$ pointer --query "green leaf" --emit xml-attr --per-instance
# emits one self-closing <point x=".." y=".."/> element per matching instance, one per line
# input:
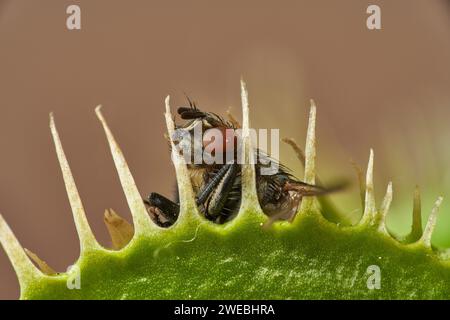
<point x="247" y="258"/>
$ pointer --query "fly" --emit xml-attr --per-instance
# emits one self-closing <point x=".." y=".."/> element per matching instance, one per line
<point x="218" y="186"/>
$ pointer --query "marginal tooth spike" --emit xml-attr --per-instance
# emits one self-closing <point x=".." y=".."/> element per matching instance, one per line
<point x="369" y="205"/>
<point x="361" y="183"/>
<point x="186" y="194"/>
<point x="25" y="269"/>
<point x="249" y="195"/>
<point x="43" y="266"/>
<point x="87" y="239"/>
<point x="310" y="156"/>
<point x="298" y="151"/>
<point x="120" y="230"/>
<point x="328" y="209"/>
<point x="385" y="205"/>
<point x="416" y="228"/>
<point x="141" y="220"/>
<point x="310" y="147"/>
<point x="431" y="223"/>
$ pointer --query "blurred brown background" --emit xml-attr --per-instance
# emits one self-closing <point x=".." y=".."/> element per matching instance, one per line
<point x="384" y="89"/>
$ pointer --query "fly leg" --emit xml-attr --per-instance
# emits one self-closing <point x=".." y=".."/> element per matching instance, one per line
<point x="163" y="211"/>
<point x="218" y="197"/>
<point x="209" y="187"/>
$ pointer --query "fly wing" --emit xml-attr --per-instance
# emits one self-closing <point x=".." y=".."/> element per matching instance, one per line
<point x="306" y="189"/>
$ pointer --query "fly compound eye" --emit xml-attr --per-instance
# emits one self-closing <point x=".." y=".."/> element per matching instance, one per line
<point x="230" y="140"/>
<point x="220" y="139"/>
<point x="212" y="138"/>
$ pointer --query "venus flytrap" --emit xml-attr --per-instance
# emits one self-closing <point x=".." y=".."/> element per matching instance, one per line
<point x="310" y="257"/>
